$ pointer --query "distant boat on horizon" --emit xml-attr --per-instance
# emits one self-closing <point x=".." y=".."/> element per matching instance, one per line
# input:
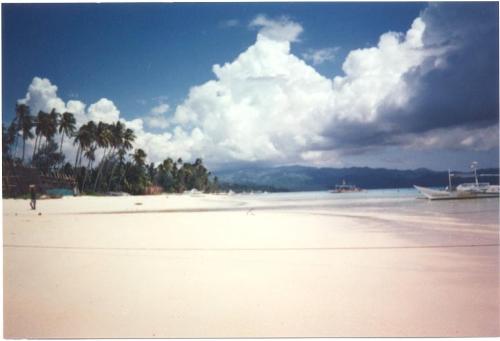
<point x="470" y="190"/>
<point x="345" y="188"/>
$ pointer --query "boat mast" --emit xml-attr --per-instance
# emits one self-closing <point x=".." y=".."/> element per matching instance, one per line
<point x="449" y="180"/>
<point x="473" y="166"/>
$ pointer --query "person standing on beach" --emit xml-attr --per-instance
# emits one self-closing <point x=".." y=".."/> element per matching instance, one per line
<point x="33" y="197"/>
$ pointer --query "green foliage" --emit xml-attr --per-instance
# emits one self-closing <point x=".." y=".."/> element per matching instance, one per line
<point x="117" y="170"/>
<point x="47" y="158"/>
<point x="189" y="176"/>
<point x="67" y="126"/>
<point x="136" y="179"/>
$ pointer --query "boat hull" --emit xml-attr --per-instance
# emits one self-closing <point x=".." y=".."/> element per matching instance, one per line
<point x="433" y="194"/>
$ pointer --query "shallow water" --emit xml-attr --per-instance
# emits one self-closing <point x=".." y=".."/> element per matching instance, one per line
<point x="406" y="201"/>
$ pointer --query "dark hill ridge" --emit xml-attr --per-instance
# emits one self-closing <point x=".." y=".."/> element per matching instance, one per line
<point x="302" y="178"/>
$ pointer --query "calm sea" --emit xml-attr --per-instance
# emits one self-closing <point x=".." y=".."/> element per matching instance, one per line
<point x="405" y="201"/>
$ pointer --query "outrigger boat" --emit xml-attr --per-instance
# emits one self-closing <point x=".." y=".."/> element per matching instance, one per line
<point x="345" y="188"/>
<point x="472" y="190"/>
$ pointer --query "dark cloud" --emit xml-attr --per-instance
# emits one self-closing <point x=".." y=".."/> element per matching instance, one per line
<point x="464" y="91"/>
<point x="458" y="89"/>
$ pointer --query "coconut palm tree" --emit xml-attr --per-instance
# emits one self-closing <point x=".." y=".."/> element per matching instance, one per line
<point x="117" y="130"/>
<point x="41" y="117"/>
<point x="77" y="140"/>
<point x="54" y="118"/>
<point x="103" y="140"/>
<point x="128" y="138"/>
<point x="139" y="157"/>
<point x="89" y="155"/>
<point x="84" y="138"/>
<point x="90" y="137"/>
<point x="48" y="125"/>
<point x="67" y="126"/>
<point x="122" y="140"/>
<point x="25" y="124"/>
<point x="22" y="110"/>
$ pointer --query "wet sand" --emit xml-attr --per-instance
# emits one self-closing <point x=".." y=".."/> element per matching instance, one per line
<point x="244" y="266"/>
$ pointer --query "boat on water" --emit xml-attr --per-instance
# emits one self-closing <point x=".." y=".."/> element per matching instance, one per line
<point x="345" y="188"/>
<point x="470" y="190"/>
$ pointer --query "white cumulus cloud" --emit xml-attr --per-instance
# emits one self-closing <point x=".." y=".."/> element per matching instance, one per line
<point x="375" y="76"/>
<point x="160" y="108"/>
<point x="282" y="29"/>
<point x="103" y="110"/>
<point x="157" y="117"/>
<point x="268" y="104"/>
<point x="42" y="95"/>
<point x="320" y="56"/>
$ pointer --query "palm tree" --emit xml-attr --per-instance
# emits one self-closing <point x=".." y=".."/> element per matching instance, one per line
<point x="84" y="138"/>
<point x="123" y="138"/>
<point x="128" y="138"/>
<point x="139" y="157"/>
<point x="48" y="125"/>
<point x="53" y="123"/>
<point x="90" y="137"/>
<point x="78" y="137"/>
<point x="90" y="155"/>
<point x="103" y="139"/>
<point x="117" y="130"/>
<point x="41" y="117"/>
<point x="25" y="124"/>
<point x="168" y="164"/>
<point x="67" y="126"/>
<point x="79" y="141"/>
<point x="22" y="110"/>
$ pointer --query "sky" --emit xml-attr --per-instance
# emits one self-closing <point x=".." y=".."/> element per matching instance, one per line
<point x="394" y="85"/>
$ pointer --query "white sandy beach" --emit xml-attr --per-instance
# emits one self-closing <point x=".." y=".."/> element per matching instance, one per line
<point x="244" y="266"/>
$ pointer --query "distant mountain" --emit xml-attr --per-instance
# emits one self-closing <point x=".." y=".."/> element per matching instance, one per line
<point x="301" y="178"/>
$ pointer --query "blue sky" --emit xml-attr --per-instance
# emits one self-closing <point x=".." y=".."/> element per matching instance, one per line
<point x="140" y="56"/>
<point x="133" y="53"/>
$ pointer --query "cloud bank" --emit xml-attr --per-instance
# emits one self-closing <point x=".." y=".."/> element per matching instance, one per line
<point x="434" y="86"/>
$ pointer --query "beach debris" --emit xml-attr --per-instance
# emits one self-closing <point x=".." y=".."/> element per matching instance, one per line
<point x="39" y="213"/>
<point x="250" y="211"/>
<point x="138" y="203"/>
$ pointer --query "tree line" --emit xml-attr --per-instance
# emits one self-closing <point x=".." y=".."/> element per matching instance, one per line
<point x="120" y="168"/>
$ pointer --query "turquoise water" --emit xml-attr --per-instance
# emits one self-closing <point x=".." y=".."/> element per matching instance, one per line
<point x="60" y="191"/>
<point x="407" y="201"/>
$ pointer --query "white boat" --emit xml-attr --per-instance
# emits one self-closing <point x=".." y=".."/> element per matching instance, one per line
<point x="471" y="190"/>
<point x="345" y="188"/>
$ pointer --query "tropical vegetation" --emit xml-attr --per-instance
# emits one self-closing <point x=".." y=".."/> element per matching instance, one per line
<point x="105" y="157"/>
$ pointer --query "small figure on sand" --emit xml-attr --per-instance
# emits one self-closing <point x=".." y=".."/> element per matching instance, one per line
<point x="33" y="197"/>
<point x="76" y="192"/>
